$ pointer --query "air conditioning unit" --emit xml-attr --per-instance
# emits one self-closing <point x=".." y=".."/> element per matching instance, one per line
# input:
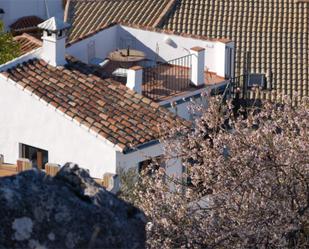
<point x="255" y="79"/>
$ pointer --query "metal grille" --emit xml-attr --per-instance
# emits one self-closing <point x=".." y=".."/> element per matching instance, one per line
<point x="167" y="78"/>
<point x="235" y="84"/>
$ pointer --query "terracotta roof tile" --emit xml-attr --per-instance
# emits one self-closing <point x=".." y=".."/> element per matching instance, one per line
<point x="26" y="23"/>
<point x="87" y="16"/>
<point x="133" y="122"/>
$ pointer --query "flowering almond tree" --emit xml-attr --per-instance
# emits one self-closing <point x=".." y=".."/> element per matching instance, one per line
<point x="246" y="183"/>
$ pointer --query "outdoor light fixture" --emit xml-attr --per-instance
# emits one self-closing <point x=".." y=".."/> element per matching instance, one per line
<point x="1" y="13"/>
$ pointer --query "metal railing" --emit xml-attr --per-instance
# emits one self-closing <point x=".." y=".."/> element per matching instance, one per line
<point x="235" y="86"/>
<point x="167" y="78"/>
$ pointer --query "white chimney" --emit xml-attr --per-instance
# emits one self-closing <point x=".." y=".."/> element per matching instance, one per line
<point x="54" y="36"/>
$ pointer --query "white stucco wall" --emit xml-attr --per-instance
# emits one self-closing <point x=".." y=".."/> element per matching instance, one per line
<point x="132" y="159"/>
<point x="14" y="9"/>
<point x="182" y="108"/>
<point x="25" y="119"/>
<point x="149" y="41"/>
<point x="105" y="42"/>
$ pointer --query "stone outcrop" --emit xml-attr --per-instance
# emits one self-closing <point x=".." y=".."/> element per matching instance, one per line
<point x="69" y="211"/>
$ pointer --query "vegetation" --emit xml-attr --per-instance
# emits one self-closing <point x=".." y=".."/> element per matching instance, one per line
<point x="9" y="49"/>
<point x="246" y="183"/>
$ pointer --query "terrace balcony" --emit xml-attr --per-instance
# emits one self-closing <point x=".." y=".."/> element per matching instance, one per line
<point x="169" y="66"/>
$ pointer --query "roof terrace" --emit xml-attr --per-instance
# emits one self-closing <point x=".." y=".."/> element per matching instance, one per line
<point x="159" y="64"/>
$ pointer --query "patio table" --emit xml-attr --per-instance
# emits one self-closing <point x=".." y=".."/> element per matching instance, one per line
<point x="127" y="57"/>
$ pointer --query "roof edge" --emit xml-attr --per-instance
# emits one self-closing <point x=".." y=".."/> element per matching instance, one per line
<point x="33" y="54"/>
<point x="141" y="146"/>
<point x="148" y="28"/>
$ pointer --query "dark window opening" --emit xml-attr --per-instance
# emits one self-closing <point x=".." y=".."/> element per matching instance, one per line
<point x="150" y="166"/>
<point x="38" y="157"/>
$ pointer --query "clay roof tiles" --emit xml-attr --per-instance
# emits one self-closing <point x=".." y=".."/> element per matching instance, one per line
<point x="89" y="15"/>
<point x="106" y="107"/>
<point x="26" y="22"/>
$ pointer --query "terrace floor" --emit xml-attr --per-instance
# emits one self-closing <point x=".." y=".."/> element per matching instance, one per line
<point x="165" y="80"/>
<point x="168" y="81"/>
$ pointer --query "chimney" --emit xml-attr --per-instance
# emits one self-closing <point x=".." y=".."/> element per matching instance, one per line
<point x="54" y="36"/>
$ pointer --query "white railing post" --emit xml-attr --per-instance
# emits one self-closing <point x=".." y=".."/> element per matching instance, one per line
<point x="198" y="65"/>
<point x="135" y="79"/>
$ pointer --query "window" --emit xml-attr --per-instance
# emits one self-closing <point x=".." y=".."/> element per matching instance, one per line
<point x="151" y="165"/>
<point x="38" y="157"/>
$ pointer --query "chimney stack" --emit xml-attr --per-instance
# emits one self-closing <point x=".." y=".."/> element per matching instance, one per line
<point x="54" y="36"/>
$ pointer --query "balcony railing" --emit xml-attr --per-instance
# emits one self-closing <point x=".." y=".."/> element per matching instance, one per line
<point x="167" y="78"/>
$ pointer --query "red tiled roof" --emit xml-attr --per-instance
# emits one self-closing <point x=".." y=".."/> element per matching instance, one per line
<point x="87" y="16"/>
<point x="27" y="43"/>
<point x="106" y="107"/>
<point x="26" y="22"/>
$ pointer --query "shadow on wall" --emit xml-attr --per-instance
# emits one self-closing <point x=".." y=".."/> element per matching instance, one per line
<point x="127" y="38"/>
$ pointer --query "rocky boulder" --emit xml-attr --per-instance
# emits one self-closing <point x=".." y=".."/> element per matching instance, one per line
<point x="69" y="210"/>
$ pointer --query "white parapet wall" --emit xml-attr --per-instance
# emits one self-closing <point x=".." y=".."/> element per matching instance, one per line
<point x="156" y="45"/>
<point x="169" y="46"/>
<point x="98" y="45"/>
